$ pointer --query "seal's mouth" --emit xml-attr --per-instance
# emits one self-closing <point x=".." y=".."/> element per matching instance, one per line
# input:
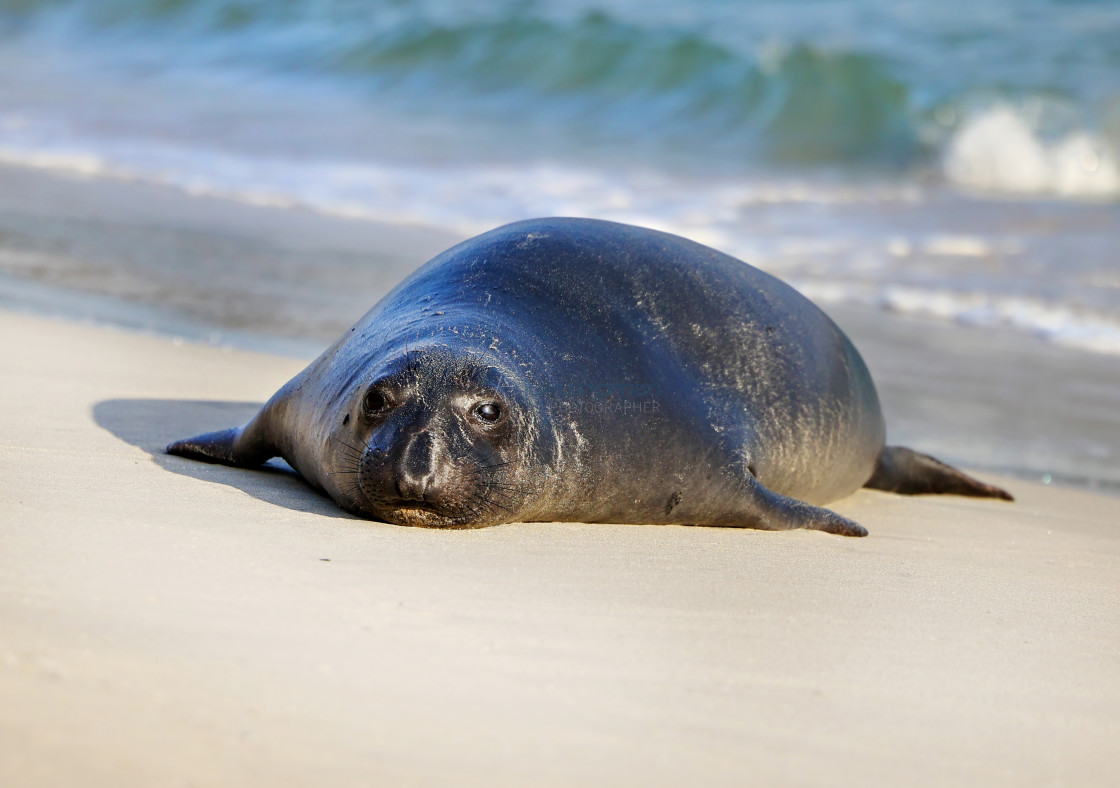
<point x="423" y="515"/>
<point x="420" y="506"/>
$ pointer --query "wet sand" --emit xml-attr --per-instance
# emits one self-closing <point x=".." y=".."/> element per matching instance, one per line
<point x="290" y="281"/>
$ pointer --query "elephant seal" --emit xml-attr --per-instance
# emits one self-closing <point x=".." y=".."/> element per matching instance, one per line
<point x="582" y="370"/>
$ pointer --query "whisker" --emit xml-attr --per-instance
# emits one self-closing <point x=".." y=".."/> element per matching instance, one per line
<point x="504" y="486"/>
<point x="504" y="503"/>
<point x="354" y="462"/>
<point x="351" y="446"/>
<point x="492" y="502"/>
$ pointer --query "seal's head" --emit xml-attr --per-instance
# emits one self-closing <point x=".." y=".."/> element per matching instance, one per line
<point x="434" y="438"/>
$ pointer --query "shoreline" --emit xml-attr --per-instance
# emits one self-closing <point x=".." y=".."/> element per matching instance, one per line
<point x="80" y="308"/>
<point x="207" y="262"/>
<point x="290" y="281"/>
<point x="172" y="621"/>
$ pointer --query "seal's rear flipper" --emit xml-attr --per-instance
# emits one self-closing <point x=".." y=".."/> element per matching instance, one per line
<point x="771" y="511"/>
<point x="238" y="446"/>
<point x="904" y="471"/>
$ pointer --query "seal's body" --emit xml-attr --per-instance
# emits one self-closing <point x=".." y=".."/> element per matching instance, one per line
<point x="579" y="370"/>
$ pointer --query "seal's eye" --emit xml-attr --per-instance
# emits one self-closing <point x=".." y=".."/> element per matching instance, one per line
<point x="488" y="412"/>
<point x="374" y="402"/>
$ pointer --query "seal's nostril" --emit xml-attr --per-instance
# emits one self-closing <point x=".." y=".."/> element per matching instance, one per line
<point x="413" y="488"/>
<point x="409" y="490"/>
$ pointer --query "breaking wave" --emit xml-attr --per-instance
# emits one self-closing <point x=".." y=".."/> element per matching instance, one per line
<point x="999" y="151"/>
<point x="732" y="87"/>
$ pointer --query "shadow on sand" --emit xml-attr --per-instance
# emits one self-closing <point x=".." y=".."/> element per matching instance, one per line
<point x="151" y="424"/>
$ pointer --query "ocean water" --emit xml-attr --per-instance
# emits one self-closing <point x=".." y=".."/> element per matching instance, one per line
<point x="958" y="160"/>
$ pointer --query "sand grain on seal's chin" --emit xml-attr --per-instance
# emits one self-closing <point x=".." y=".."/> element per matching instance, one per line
<point x="426" y="518"/>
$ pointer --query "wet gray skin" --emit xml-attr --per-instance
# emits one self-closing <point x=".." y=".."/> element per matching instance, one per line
<point x="579" y="370"/>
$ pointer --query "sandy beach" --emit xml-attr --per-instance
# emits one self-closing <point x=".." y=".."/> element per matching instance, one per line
<point x="166" y="622"/>
<point x="171" y="623"/>
<point x="197" y="197"/>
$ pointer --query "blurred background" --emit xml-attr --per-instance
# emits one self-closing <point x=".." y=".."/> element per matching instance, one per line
<point x="957" y="162"/>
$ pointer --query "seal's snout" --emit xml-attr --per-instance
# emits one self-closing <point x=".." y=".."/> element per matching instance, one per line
<point x="416" y="476"/>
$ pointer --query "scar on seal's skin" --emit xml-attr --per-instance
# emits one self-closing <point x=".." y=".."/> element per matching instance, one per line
<point x="674" y="499"/>
<point x="443" y="409"/>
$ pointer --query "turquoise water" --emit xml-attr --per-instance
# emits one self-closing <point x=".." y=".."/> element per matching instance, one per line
<point x="959" y="160"/>
<point x="869" y="83"/>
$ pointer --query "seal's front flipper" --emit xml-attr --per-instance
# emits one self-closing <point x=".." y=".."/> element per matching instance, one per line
<point x="238" y="446"/>
<point x="771" y="511"/>
<point x="904" y="471"/>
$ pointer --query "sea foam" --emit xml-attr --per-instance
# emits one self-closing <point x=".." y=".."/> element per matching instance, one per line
<point x="999" y="151"/>
<point x="1061" y="324"/>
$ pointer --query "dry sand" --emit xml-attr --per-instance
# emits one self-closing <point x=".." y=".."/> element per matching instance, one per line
<point x="164" y="622"/>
